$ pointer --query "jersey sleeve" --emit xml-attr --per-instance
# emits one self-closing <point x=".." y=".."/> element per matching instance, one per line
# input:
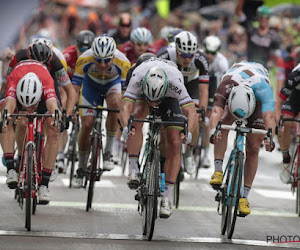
<point x="12" y="81"/>
<point x="48" y="89"/>
<point x="134" y="88"/>
<point x="60" y="73"/>
<point x="79" y="72"/>
<point x="201" y="64"/>
<point x="290" y="84"/>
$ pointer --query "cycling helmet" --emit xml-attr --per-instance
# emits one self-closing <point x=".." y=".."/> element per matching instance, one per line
<point x="29" y="90"/>
<point x="43" y="40"/>
<point x="140" y="35"/>
<point x="84" y="40"/>
<point x="155" y="84"/>
<point x="164" y="31"/>
<point x="263" y="11"/>
<point x="241" y="102"/>
<point x="172" y="34"/>
<point x="103" y="46"/>
<point x="186" y="43"/>
<point x="144" y="57"/>
<point x="212" y="44"/>
<point x="40" y="52"/>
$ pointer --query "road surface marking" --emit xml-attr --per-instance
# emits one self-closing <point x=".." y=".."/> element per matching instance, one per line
<point x="84" y="235"/>
<point x="277" y="194"/>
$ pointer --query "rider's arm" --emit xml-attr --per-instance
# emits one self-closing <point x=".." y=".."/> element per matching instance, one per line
<point x="126" y="109"/>
<point x="217" y="113"/>
<point x="10" y="105"/>
<point x="191" y="114"/>
<point x="203" y="95"/>
<point x="51" y="106"/>
<point x="71" y="99"/>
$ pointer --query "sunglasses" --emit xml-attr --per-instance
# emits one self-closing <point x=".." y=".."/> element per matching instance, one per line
<point x="83" y="49"/>
<point x="141" y="44"/>
<point x="105" y="60"/>
<point x="187" y="56"/>
<point x="125" y="25"/>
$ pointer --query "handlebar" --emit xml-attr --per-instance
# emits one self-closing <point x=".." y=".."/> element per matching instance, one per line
<point x="97" y="108"/>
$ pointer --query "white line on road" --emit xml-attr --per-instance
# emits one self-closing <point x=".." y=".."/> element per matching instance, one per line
<point x="84" y="235"/>
<point x="133" y="206"/>
<point x="103" y="183"/>
<point x="276" y="194"/>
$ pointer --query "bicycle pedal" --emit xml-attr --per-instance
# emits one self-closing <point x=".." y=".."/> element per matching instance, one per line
<point x="12" y="185"/>
<point x="43" y="202"/>
<point x="241" y="215"/>
<point x="137" y="197"/>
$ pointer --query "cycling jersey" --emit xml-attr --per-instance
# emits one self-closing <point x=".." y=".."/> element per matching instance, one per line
<point x="71" y="57"/>
<point x="24" y="67"/>
<point x="85" y="66"/>
<point x="198" y="68"/>
<point x="115" y="34"/>
<point x="251" y="74"/>
<point x="176" y="88"/>
<point x="291" y="89"/>
<point x="128" y="49"/>
<point x="54" y="66"/>
<point x="61" y="56"/>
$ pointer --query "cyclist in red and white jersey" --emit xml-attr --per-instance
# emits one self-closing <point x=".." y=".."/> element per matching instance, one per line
<point x="30" y="87"/>
<point x="139" y="44"/>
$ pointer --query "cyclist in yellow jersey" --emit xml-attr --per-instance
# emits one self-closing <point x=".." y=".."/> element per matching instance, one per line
<point x="99" y="71"/>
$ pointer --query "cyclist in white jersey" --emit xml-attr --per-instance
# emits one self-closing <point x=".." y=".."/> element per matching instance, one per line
<point x="244" y="93"/>
<point x="218" y="65"/>
<point x="157" y="82"/>
<point x="193" y="65"/>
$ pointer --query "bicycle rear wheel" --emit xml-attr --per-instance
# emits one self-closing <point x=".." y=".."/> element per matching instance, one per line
<point x="152" y="187"/>
<point x="234" y="196"/>
<point x="94" y="168"/>
<point x="28" y="187"/>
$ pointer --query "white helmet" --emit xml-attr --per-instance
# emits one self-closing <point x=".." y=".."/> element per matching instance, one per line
<point x="241" y="102"/>
<point x="212" y="44"/>
<point x="140" y="35"/>
<point x="42" y="40"/>
<point x="103" y="46"/>
<point x="155" y="84"/>
<point x="29" y="90"/>
<point x="186" y="42"/>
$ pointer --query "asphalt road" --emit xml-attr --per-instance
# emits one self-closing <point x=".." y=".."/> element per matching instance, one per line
<point x="114" y="223"/>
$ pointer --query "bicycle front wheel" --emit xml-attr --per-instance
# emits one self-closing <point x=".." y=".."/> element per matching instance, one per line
<point x="198" y="151"/>
<point x="94" y="168"/>
<point x="234" y="196"/>
<point x="28" y="186"/>
<point x="73" y="152"/>
<point x="176" y="194"/>
<point x="152" y="195"/>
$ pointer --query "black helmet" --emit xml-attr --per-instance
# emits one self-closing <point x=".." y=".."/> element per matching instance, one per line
<point x="144" y="57"/>
<point x="84" y="40"/>
<point x="40" y="52"/>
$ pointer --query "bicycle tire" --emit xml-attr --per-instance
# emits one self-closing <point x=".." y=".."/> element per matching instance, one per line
<point x="234" y="197"/>
<point x="224" y="201"/>
<point x="28" y="193"/>
<point x="124" y="158"/>
<point x="152" y="195"/>
<point x="73" y="152"/>
<point x="176" y="194"/>
<point x="94" y="168"/>
<point x="297" y="183"/>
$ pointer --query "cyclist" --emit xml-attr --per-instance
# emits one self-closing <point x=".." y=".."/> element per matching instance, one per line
<point x="193" y="65"/>
<point x="27" y="84"/>
<point x="138" y="44"/>
<point x="59" y="164"/>
<point x="288" y="105"/>
<point x="121" y="34"/>
<point x="84" y="40"/>
<point x="246" y="89"/>
<point x="218" y="65"/>
<point x="157" y="82"/>
<point x="100" y="70"/>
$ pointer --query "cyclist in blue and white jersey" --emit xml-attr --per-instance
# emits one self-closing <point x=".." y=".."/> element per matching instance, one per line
<point x="244" y="93"/>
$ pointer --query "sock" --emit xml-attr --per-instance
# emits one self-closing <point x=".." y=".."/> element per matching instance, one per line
<point x="61" y="155"/>
<point x="116" y="146"/>
<point x="9" y="161"/>
<point x="206" y="149"/>
<point x="169" y="190"/>
<point x="246" y="191"/>
<point x="133" y="162"/>
<point x="218" y="165"/>
<point x="46" y="173"/>
<point x="83" y="157"/>
<point x="110" y="137"/>
<point x="189" y="151"/>
<point x="286" y="156"/>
